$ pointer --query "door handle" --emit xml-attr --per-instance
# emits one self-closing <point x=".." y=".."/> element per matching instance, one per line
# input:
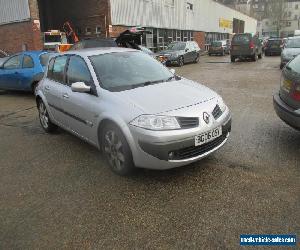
<point x="47" y="87"/>
<point x="65" y="96"/>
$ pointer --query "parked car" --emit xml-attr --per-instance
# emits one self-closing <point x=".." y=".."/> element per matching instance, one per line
<point x="246" y="45"/>
<point x="180" y="53"/>
<point x="291" y="50"/>
<point x="3" y="54"/>
<point x="219" y="48"/>
<point x="94" y="43"/>
<point x="23" y="71"/>
<point x="138" y="112"/>
<point x="273" y="47"/>
<point x="287" y="101"/>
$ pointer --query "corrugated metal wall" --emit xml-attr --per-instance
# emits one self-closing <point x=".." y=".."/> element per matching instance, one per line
<point x="14" y="11"/>
<point x="157" y="13"/>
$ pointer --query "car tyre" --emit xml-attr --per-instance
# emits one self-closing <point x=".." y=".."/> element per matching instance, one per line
<point x="116" y="150"/>
<point x="44" y="118"/>
<point x="197" y="59"/>
<point x="260" y="56"/>
<point x="180" y="61"/>
<point x="232" y="59"/>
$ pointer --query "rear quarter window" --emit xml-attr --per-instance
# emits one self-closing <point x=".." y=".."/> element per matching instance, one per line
<point x="294" y="65"/>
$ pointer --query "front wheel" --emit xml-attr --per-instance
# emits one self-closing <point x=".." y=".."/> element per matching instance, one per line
<point x="45" y="121"/>
<point x="180" y="61"/>
<point x="116" y="150"/>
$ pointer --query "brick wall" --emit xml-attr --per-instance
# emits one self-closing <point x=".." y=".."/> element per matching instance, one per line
<point x="116" y="30"/>
<point x="199" y="37"/>
<point x="14" y="35"/>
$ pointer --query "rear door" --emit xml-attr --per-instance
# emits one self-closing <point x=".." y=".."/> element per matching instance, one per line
<point x="80" y="108"/>
<point x="26" y="73"/>
<point x="290" y="84"/>
<point x="189" y="53"/>
<point x="53" y="87"/>
<point x="10" y="73"/>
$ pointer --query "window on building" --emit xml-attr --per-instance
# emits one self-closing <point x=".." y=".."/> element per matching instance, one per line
<point x="88" y="31"/>
<point x="98" y="30"/>
<point x="190" y="6"/>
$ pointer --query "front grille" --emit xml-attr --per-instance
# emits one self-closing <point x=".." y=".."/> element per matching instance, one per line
<point x="190" y="152"/>
<point x="217" y="112"/>
<point x="188" y="122"/>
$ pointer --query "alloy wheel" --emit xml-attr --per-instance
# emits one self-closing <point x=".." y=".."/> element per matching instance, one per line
<point x="113" y="148"/>
<point x="44" y="117"/>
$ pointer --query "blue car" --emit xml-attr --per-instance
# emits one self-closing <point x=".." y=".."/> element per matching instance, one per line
<point x="23" y="71"/>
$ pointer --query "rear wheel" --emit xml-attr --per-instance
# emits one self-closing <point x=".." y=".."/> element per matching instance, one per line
<point x="232" y="59"/>
<point x="254" y="57"/>
<point x="116" y="150"/>
<point x="45" y="121"/>
<point x="180" y="61"/>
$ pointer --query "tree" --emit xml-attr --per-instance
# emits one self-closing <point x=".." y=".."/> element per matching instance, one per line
<point x="276" y="11"/>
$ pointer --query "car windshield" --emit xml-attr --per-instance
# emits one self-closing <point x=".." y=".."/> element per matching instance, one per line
<point x="241" y="39"/>
<point x="176" y="46"/>
<point x="127" y="70"/>
<point x="216" y="44"/>
<point x="293" y="43"/>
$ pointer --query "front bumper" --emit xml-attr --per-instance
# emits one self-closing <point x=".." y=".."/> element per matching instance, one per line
<point x="286" y="113"/>
<point x="153" y="151"/>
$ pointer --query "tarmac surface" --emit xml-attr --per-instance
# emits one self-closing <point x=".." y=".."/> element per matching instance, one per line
<point x="58" y="192"/>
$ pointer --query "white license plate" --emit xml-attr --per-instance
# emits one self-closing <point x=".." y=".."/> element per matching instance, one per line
<point x="208" y="136"/>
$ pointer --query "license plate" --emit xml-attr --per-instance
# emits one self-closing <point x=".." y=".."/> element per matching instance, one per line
<point x="208" y="136"/>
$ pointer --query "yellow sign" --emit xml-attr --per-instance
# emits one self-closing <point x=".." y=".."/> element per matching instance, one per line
<point x="223" y="23"/>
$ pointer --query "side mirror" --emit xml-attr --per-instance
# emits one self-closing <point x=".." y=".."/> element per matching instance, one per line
<point x="172" y="71"/>
<point x="80" y="87"/>
<point x="186" y="50"/>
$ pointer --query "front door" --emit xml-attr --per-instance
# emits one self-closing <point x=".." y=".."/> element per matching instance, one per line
<point x="80" y="108"/>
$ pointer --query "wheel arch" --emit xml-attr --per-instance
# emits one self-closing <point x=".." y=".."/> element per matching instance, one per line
<point x="120" y="124"/>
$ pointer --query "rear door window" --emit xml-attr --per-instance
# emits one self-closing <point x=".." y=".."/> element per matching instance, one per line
<point x="57" y="72"/>
<point x="78" y="71"/>
<point x="294" y="65"/>
<point x="28" y="62"/>
<point x="241" y="39"/>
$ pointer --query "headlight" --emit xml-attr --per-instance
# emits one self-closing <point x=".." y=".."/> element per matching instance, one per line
<point x="222" y="105"/>
<point x="156" y="122"/>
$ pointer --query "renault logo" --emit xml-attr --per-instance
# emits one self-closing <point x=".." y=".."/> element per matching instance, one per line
<point x="206" y="117"/>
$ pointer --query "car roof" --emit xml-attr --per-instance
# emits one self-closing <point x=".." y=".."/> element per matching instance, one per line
<point x="98" y="51"/>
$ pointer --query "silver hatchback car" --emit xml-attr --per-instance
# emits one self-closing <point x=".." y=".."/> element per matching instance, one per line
<point x="131" y="107"/>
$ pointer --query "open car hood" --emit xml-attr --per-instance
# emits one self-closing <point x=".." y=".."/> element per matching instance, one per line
<point x="131" y="35"/>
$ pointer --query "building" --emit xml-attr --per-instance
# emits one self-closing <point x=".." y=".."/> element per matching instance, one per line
<point x="22" y="22"/>
<point x="290" y="22"/>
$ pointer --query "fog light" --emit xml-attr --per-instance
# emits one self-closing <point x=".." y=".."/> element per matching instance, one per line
<point x="171" y="155"/>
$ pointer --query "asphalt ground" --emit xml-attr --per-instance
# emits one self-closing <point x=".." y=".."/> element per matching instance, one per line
<point x="58" y="192"/>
